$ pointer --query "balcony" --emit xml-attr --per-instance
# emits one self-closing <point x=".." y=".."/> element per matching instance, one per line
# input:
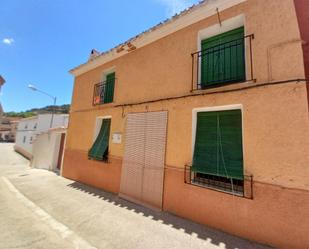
<point x="104" y="92"/>
<point x="222" y="64"/>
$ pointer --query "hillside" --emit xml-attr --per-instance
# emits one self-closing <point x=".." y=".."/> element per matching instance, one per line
<point x="59" y="109"/>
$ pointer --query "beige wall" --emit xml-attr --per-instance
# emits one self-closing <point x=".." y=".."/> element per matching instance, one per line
<point x="275" y="117"/>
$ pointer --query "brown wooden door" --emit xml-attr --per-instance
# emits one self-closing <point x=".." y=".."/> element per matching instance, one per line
<point x="61" y="148"/>
<point x="144" y="158"/>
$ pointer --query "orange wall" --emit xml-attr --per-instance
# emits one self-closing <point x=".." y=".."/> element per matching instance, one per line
<point x="163" y="68"/>
<point x="275" y="125"/>
<point x="276" y="216"/>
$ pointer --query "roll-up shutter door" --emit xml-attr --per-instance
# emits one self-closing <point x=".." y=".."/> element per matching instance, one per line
<point x="143" y="164"/>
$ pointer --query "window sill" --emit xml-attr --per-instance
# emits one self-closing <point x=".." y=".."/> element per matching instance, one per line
<point x="105" y="161"/>
<point x="223" y="86"/>
<point x="206" y="186"/>
<point x="103" y="104"/>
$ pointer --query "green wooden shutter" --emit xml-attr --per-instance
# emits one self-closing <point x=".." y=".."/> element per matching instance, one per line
<point x="223" y="58"/>
<point x="99" y="149"/>
<point x="109" y="88"/>
<point x="218" y="144"/>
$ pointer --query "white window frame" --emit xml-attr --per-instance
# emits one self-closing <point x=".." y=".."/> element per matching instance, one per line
<point x="212" y="109"/>
<point x="227" y="25"/>
<point x="105" y="73"/>
<point x="108" y="71"/>
<point x="98" y="124"/>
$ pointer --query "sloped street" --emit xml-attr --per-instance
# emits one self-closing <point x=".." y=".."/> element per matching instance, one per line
<point x="39" y="209"/>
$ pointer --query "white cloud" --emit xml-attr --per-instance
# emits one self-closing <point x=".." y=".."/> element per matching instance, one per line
<point x="8" y="41"/>
<point x="175" y="6"/>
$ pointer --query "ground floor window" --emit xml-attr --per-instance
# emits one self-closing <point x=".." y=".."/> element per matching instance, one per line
<point x="99" y="149"/>
<point x="218" y="153"/>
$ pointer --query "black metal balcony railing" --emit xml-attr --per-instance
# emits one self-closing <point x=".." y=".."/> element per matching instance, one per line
<point x="242" y="188"/>
<point x="224" y="63"/>
<point x="103" y="92"/>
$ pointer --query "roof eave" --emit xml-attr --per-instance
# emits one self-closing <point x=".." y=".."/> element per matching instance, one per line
<point x="186" y="18"/>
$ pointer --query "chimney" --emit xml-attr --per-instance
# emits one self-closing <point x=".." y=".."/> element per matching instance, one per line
<point x="94" y="53"/>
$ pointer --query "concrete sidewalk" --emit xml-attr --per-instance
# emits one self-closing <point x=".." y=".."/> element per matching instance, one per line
<point x="39" y="209"/>
<point x="106" y="221"/>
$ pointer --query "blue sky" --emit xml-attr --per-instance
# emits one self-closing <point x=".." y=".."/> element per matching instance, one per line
<point x="41" y="40"/>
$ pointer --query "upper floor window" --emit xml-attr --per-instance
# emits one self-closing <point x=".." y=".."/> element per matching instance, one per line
<point x="223" y="58"/>
<point x="104" y="91"/>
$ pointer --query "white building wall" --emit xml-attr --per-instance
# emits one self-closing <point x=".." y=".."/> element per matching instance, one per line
<point x="25" y="135"/>
<point x="59" y="120"/>
<point x="46" y="150"/>
<point x="28" y="130"/>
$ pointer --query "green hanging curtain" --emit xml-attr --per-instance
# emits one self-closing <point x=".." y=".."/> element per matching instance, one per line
<point x="99" y="149"/>
<point x="223" y="58"/>
<point x="109" y="88"/>
<point x="218" y="144"/>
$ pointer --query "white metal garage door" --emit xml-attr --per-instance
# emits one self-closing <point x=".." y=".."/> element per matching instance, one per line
<point x="143" y="163"/>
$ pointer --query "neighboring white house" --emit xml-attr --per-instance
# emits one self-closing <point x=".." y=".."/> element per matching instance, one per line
<point x="25" y="134"/>
<point x="48" y="149"/>
<point x="29" y="128"/>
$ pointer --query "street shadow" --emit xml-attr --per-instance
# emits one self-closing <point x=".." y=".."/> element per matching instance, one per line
<point x="216" y="237"/>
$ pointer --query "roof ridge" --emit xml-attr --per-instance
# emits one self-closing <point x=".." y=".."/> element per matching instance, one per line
<point x="162" y="23"/>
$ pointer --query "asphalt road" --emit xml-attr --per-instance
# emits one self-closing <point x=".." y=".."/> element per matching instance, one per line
<point x="39" y="209"/>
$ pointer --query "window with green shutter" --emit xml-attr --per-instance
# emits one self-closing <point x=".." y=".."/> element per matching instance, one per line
<point x="223" y="58"/>
<point x="218" y="146"/>
<point x="99" y="149"/>
<point x="109" y="88"/>
<point x="104" y="91"/>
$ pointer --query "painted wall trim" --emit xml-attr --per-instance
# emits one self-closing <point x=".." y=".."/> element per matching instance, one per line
<point x="177" y="23"/>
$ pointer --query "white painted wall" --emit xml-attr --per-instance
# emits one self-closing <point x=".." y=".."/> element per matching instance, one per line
<point x="60" y="120"/>
<point x="25" y="134"/>
<point x="46" y="150"/>
<point x="30" y="128"/>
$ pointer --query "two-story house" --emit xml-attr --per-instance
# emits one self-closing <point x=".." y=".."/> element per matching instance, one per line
<point x="205" y="116"/>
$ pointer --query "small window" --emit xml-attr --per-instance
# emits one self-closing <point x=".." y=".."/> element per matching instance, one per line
<point x="26" y="126"/>
<point x="104" y="92"/>
<point x="99" y="149"/>
<point x="24" y="139"/>
<point x="218" y="155"/>
<point x="223" y="58"/>
<point x="34" y="127"/>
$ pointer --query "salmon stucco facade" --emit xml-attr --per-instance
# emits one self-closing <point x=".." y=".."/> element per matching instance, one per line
<point x="204" y="116"/>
